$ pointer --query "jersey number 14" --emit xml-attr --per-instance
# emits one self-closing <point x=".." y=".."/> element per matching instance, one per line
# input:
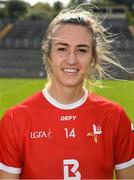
<point x="70" y="133"/>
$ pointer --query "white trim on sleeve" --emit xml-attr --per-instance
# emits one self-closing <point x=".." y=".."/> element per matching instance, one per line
<point x="9" y="169"/>
<point x="124" y="165"/>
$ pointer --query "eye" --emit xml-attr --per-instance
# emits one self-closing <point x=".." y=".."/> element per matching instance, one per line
<point x="61" y="49"/>
<point x="82" y="50"/>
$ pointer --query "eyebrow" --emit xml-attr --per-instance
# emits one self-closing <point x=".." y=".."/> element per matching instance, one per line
<point x="79" y="45"/>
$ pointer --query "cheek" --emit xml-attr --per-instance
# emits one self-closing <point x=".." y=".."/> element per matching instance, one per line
<point x="52" y="60"/>
<point x="55" y="64"/>
<point x="86" y="66"/>
<point x="85" y="62"/>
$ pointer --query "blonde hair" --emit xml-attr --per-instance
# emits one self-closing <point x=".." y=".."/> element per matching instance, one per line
<point x="102" y="40"/>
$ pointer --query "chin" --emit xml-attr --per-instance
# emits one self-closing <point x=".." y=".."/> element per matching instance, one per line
<point x="72" y="83"/>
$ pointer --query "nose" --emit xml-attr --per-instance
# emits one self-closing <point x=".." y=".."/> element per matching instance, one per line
<point x="71" y="58"/>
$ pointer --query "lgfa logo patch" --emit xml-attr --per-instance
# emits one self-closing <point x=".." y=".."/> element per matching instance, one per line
<point x="96" y="131"/>
<point x="41" y="134"/>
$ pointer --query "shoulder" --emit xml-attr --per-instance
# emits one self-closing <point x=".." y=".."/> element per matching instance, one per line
<point x="29" y="103"/>
<point x="104" y="104"/>
<point x="25" y="109"/>
<point x="111" y="111"/>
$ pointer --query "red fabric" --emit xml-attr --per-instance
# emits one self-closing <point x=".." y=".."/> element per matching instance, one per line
<point x="47" y="142"/>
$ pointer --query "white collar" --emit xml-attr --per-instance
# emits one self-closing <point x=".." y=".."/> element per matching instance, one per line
<point x="64" y="106"/>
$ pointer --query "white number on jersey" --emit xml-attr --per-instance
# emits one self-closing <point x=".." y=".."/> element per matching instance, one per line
<point x="74" y="169"/>
<point x="70" y="133"/>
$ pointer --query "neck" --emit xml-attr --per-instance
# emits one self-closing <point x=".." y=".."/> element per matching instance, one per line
<point x="66" y="95"/>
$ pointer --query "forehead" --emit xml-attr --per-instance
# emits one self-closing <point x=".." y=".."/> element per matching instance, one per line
<point x="72" y="34"/>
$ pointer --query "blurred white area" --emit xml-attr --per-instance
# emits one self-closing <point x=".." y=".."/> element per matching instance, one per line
<point x="32" y="2"/>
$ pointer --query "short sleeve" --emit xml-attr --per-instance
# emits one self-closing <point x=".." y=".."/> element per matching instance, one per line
<point x="124" y="143"/>
<point x="9" y="150"/>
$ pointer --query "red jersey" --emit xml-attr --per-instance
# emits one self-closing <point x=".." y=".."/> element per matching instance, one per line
<point x="41" y="138"/>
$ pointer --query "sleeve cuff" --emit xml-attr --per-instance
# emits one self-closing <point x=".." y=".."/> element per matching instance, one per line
<point x="124" y="165"/>
<point x="9" y="169"/>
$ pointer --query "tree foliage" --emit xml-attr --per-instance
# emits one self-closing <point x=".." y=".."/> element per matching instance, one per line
<point x="76" y="2"/>
<point x="57" y="7"/>
<point x="129" y="3"/>
<point x="103" y="2"/>
<point x="2" y="13"/>
<point x="16" y="8"/>
<point x="40" y="11"/>
<point x="20" y="9"/>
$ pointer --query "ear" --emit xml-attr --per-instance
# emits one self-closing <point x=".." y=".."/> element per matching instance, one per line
<point x="92" y="62"/>
<point x="94" y="59"/>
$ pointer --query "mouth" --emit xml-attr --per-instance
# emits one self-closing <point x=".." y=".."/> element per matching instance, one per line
<point x="70" y="70"/>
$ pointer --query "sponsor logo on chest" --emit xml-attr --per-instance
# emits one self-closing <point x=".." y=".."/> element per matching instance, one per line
<point x="68" y="118"/>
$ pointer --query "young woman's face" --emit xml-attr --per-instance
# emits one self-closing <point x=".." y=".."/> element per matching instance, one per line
<point x="71" y="55"/>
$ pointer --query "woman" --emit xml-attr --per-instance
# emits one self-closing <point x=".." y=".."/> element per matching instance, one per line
<point x="65" y="132"/>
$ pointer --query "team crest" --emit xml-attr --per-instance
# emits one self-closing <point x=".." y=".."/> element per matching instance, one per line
<point x="96" y="131"/>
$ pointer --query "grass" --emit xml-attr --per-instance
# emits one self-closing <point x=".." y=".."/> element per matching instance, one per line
<point x="121" y="92"/>
<point x="13" y="91"/>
